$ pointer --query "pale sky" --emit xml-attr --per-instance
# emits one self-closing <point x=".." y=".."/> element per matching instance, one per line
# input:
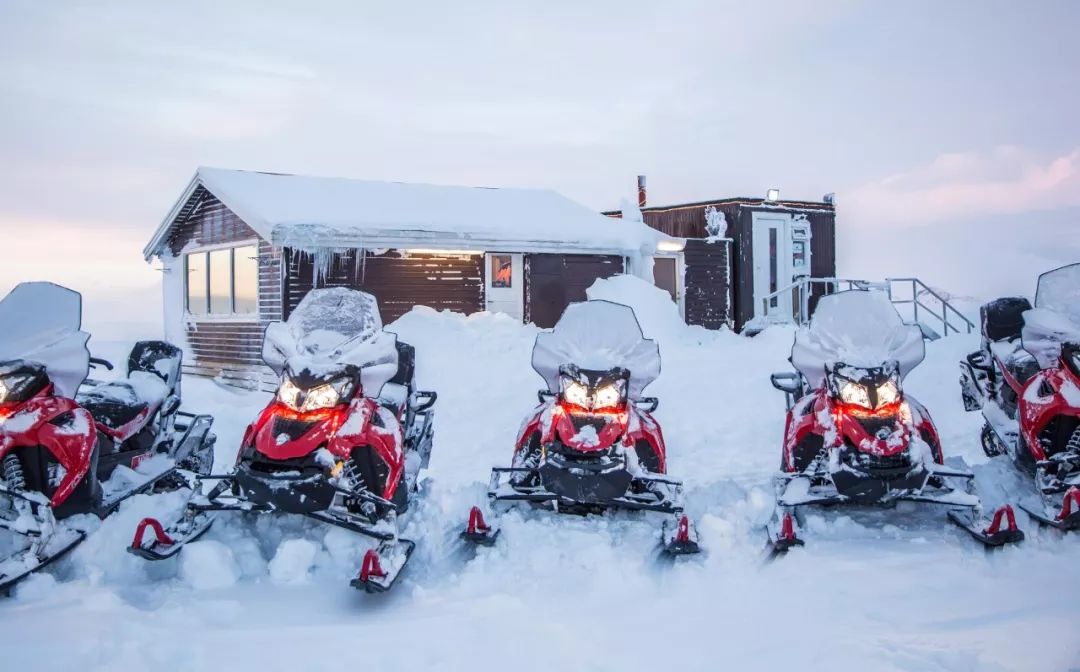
<point x="949" y="130"/>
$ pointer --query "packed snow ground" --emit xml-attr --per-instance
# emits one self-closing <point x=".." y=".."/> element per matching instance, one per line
<point x="872" y="590"/>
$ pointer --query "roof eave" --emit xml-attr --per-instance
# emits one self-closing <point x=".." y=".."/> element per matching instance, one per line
<point x="324" y="237"/>
<point x="154" y="246"/>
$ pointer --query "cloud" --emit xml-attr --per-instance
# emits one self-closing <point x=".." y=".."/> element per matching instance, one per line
<point x="1004" y="180"/>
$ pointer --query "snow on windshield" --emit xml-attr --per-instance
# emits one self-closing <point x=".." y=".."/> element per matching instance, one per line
<point x="597" y="335"/>
<point x="332" y="328"/>
<point x="1055" y="319"/>
<point x="857" y="327"/>
<point x="40" y="322"/>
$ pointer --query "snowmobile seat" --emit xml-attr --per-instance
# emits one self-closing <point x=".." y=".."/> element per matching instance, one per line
<point x="395" y="393"/>
<point x="406" y="371"/>
<point x="157" y="357"/>
<point x="1003" y="319"/>
<point x="116" y="403"/>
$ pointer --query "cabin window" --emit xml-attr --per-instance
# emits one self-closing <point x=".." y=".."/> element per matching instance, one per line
<point x="502" y="270"/>
<point x="223" y="282"/>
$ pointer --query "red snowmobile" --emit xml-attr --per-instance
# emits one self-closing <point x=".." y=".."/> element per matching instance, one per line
<point x="62" y="454"/>
<point x="342" y="442"/>
<point x="1026" y="381"/>
<point x="852" y="435"/>
<point x="592" y="444"/>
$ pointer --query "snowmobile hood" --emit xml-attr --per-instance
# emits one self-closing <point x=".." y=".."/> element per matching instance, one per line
<point x="1055" y="319"/>
<point x="597" y="336"/>
<point x="860" y="328"/>
<point x="41" y="322"/>
<point x="331" y="329"/>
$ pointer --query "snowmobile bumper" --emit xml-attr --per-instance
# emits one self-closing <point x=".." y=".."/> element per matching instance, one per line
<point x="921" y="484"/>
<point x="587" y="482"/>
<point x="644" y="493"/>
<point x="291" y="492"/>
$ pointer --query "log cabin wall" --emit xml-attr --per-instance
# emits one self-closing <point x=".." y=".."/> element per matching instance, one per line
<point x="398" y="282"/>
<point x="229" y="348"/>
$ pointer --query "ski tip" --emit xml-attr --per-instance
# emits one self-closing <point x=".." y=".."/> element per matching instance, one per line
<point x="683" y="542"/>
<point x="786" y="539"/>
<point x="478" y="531"/>
<point x="160" y="535"/>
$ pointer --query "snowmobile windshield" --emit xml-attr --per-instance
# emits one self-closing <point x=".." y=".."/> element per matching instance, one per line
<point x="40" y="324"/>
<point x="857" y="328"/>
<point x="597" y="336"/>
<point x="333" y="329"/>
<point x="1055" y="319"/>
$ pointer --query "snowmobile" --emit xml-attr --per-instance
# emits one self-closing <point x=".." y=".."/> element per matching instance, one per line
<point x="342" y="441"/>
<point x="1026" y="381"/>
<point x="852" y="435"/>
<point x="63" y="454"/>
<point x="592" y="443"/>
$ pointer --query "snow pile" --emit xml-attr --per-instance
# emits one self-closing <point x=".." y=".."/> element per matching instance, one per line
<point x="908" y="591"/>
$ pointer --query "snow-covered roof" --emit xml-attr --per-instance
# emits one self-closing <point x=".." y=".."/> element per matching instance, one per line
<point x="310" y="212"/>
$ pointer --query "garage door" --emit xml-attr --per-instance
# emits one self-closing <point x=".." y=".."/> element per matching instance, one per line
<point x="554" y="281"/>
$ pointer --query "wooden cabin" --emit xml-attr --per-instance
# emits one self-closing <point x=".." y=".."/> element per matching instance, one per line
<point x="743" y="258"/>
<point x="239" y="250"/>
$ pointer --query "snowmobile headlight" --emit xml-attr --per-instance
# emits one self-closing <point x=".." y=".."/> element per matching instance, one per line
<point x="855" y="394"/>
<point x="888" y="393"/>
<point x="575" y="393"/>
<point x="323" y="396"/>
<point x="607" y="396"/>
<point x="20" y="380"/>
<point x="289" y="394"/>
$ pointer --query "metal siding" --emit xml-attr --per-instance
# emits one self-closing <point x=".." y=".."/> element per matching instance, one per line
<point x="706" y="283"/>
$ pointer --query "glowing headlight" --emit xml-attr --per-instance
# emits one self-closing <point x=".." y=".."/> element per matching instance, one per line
<point x="576" y="394"/>
<point x="853" y="393"/>
<point x="289" y="394"/>
<point x="326" y="395"/>
<point x="323" y="396"/>
<point x="887" y="393"/>
<point x="607" y="396"/>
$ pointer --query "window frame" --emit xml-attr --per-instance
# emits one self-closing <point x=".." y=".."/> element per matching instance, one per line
<point x="231" y="316"/>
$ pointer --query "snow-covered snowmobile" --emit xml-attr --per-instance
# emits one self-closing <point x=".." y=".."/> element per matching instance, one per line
<point x="1026" y="381"/>
<point x="62" y="454"/>
<point x="852" y="435"/>
<point x="592" y="443"/>
<point x="342" y="441"/>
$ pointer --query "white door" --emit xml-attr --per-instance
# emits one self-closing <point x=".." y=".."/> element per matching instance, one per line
<point x="504" y="290"/>
<point x="772" y="265"/>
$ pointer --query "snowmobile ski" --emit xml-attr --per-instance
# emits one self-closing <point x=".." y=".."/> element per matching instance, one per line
<point x="1066" y="520"/>
<point x="167" y="543"/>
<point x="382" y="566"/>
<point x="683" y="541"/>
<point x="1001" y="531"/>
<point x="785" y="539"/>
<point x="478" y="531"/>
<point x="22" y="564"/>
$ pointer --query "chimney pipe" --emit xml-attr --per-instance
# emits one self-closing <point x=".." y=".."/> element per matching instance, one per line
<point x="641" y="191"/>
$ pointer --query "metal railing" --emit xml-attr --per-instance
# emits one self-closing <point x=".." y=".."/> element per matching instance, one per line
<point x="774" y="305"/>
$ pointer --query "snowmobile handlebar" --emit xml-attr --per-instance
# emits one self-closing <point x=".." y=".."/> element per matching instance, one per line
<point x="647" y="404"/>
<point x="98" y="361"/>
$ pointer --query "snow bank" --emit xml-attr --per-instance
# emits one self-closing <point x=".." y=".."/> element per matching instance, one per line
<point x="209" y="565"/>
